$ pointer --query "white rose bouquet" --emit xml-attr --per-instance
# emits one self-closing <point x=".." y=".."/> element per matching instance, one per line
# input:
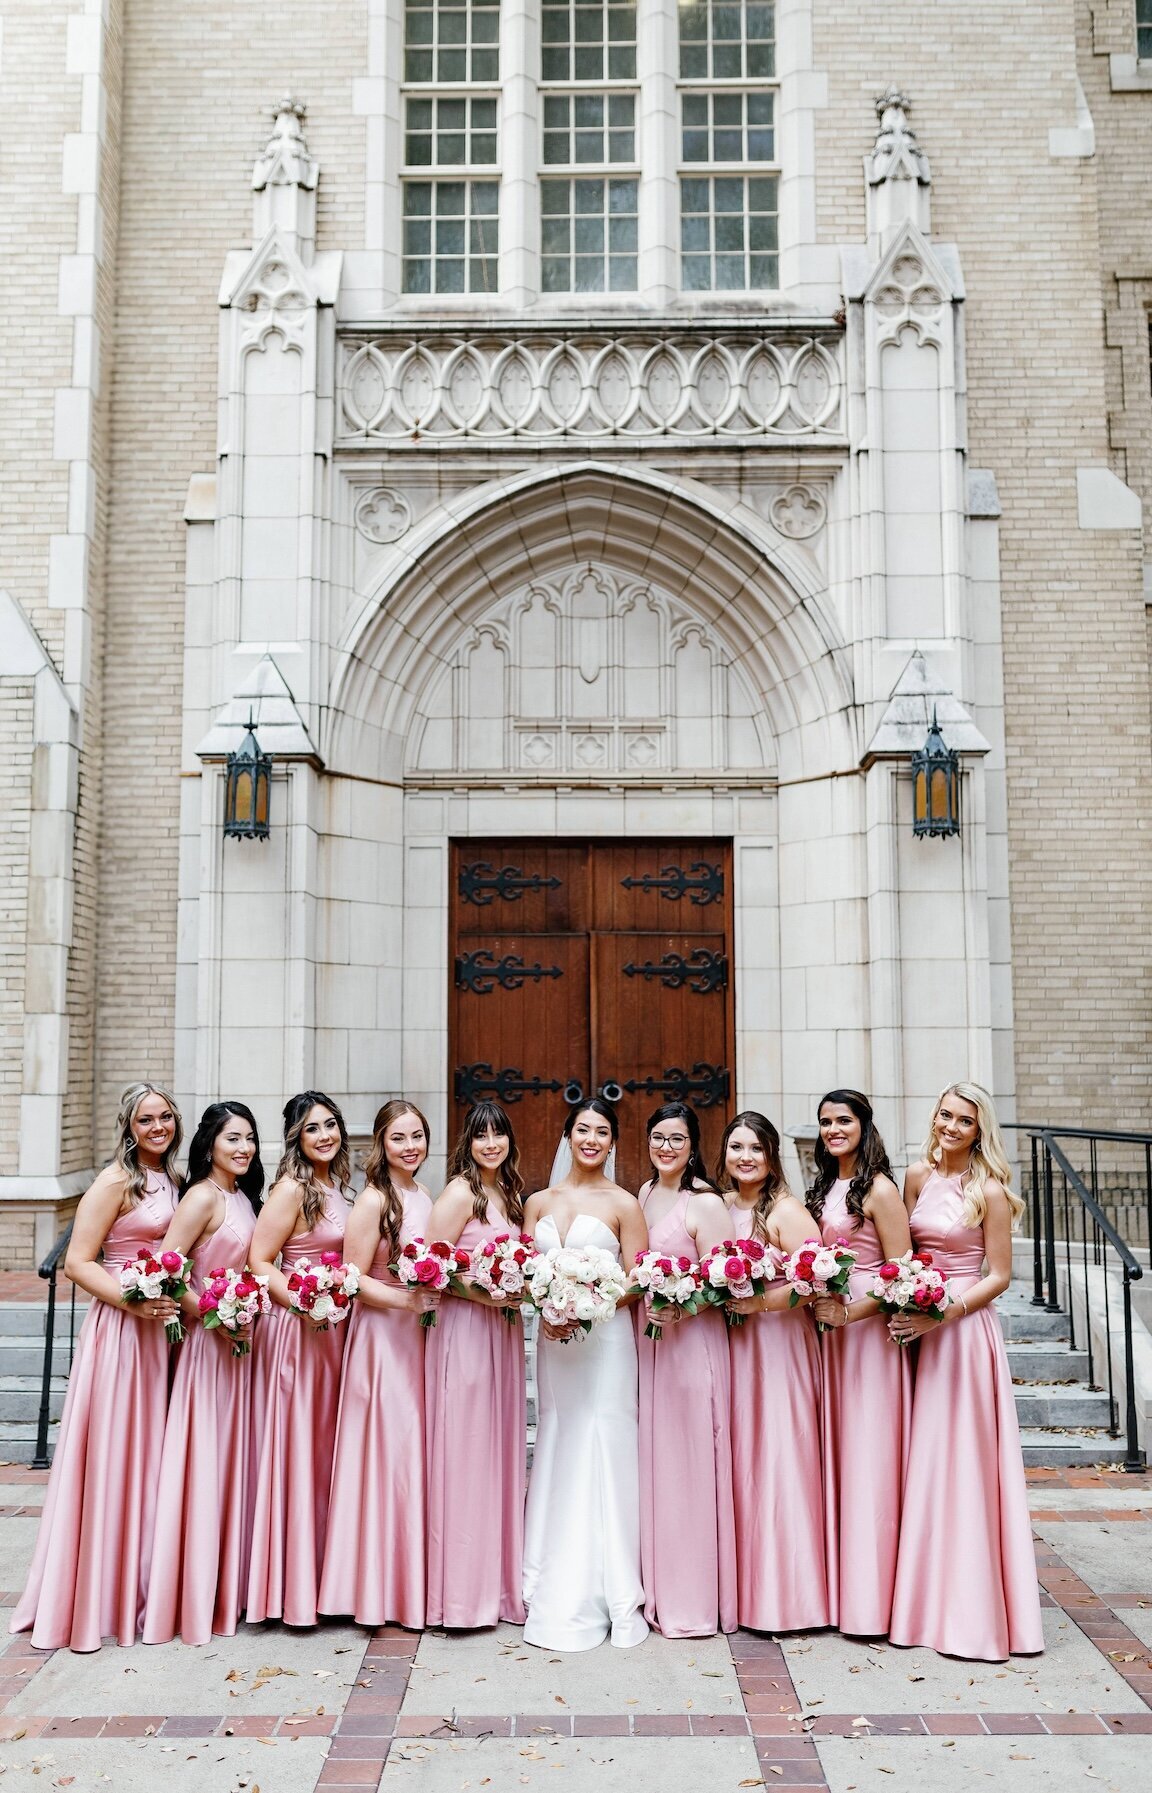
<point x="582" y="1286"/>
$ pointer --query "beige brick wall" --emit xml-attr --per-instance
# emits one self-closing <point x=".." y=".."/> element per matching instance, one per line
<point x="15" y="808"/>
<point x="1075" y="669"/>
<point x="201" y="80"/>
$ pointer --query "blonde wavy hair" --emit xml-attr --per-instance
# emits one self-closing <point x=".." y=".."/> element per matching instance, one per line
<point x="989" y="1154"/>
<point x="126" y="1156"/>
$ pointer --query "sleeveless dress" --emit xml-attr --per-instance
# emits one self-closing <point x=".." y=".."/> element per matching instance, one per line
<point x="965" y="1488"/>
<point x="89" y="1573"/>
<point x="867" y="1411"/>
<point x="295" y="1393"/>
<point x="374" y="1557"/>
<point x="582" y="1526"/>
<point x="475" y="1406"/>
<point x="199" y="1553"/>
<point x="687" y="1528"/>
<point x="777" y="1483"/>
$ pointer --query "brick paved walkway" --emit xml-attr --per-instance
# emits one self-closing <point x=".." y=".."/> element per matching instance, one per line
<point x="290" y="1712"/>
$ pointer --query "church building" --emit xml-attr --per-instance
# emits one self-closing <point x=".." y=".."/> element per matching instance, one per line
<point x="635" y="507"/>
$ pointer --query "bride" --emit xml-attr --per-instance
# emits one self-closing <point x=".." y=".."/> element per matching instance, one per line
<point x="582" y="1524"/>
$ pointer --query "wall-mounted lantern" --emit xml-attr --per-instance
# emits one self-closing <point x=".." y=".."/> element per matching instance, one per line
<point x="935" y="785"/>
<point x="247" y="790"/>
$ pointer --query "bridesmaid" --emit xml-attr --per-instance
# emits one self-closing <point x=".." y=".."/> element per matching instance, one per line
<point x="374" y="1561"/>
<point x="776" y="1401"/>
<point x="475" y="1397"/>
<point x="199" y="1551"/>
<point x="296" y="1367"/>
<point x="687" y="1529"/>
<point x="89" y="1573"/>
<point x="867" y="1384"/>
<point x="965" y="1476"/>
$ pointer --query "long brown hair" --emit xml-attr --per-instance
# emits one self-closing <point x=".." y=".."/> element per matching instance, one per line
<point x="126" y="1155"/>
<point x="774" y="1184"/>
<point x="293" y="1162"/>
<point x="871" y="1158"/>
<point x="378" y="1172"/>
<point x="489" y="1117"/>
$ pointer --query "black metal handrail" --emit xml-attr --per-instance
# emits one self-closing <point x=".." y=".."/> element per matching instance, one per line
<point x="49" y="1270"/>
<point x="1057" y="1189"/>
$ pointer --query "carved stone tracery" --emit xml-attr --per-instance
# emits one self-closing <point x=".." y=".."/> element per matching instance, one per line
<point x="588" y="385"/>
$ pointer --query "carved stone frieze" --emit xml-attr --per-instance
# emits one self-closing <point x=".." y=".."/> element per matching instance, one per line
<point x="589" y="385"/>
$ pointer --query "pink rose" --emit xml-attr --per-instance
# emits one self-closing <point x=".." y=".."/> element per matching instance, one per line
<point x="889" y="1272"/>
<point x="171" y="1260"/>
<point x="427" y="1271"/>
<point x="330" y="1258"/>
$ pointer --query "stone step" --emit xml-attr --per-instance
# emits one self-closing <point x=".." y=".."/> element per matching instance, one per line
<point x="26" y="1319"/>
<point x="1021" y="1321"/>
<point x="20" y="1397"/>
<point x="1044" y="1404"/>
<point x="1047" y="1360"/>
<point x="1061" y="1448"/>
<point x="23" y="1355"/>
<point x="18" y="1440"/>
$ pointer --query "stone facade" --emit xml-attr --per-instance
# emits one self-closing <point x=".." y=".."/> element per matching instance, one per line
<point x="663" y="564"/>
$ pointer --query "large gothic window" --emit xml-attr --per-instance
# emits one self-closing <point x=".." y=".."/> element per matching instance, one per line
<point x="561" y="113"/>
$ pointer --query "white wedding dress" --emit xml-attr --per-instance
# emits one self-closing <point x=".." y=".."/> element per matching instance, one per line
<point x="582" y="1524"/>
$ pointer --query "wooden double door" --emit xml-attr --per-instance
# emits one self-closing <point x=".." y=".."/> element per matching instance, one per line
<point x="582" y="967"/>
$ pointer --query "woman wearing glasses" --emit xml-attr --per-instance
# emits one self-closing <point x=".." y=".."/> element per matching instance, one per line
<point x="687" y="1530"/>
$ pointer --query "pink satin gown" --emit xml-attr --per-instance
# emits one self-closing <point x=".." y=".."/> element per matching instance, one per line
<point x="295" y="1395"/>
<point x="867" y="1412"/>
<point x="200" y="1549"/>
<point x="777" y="1399"/>
<point x="474" y="1381"/>
<point x="965" y="1491"/>
<point x="89" y="1573"/>
<point x="374" y="1560"/>
<point x="687" y="1523"/>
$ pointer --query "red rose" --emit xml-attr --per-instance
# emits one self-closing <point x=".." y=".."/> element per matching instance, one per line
<point x="735" y="1268"/>
<point x="409" y="1250"/>
<point x="428" y="1271"/>
<point x="339" y="1298"/>
<point x="889" y="1272"/>
<point x="519" y="1256"/>
<point x="463" y="1260"/>
<point x="922" y="1257"/>
<point x="440" y="1249"/>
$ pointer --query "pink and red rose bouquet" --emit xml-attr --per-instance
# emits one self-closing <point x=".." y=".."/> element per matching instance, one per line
<point x="148" y="1278"/>
<point x="735" y="1270"/>
<point x="502" y="1267"/>
<point x="232" y="1300"/>
<point x="819" y="1269"/>
<point x="433" y="1267"/>
<point x="324" y="1291"/>
<point x="668" y="1282"/>
<point x="911" y="1284"/>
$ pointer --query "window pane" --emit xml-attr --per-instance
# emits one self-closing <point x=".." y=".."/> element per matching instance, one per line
<point x="598" y="222"/>
<point x="450" y="236"/>
<point x="728" y="234"/>
<point x="727" y="127"/>
<point x="588" y="40"/>
<point x="451" y="40"/>
<point x="724" y="40"/>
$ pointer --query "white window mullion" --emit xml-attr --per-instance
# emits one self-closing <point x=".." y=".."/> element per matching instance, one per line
<point x="519" y="151"/>
<point x="657" y="47"/>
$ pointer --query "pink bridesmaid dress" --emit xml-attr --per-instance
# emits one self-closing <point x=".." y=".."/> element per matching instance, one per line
<point x="89" y="1574"/>
<point x="295" y="1395"/>
<point x="965" y="1488"/>
<point x="687" y="1526"/>
<point x="777" y="1398"/>
<point x="199" y="1553"/>
<point x="374" y="1560"/>
<point x="867" y="1411"/>
<point x="474" y="1386"/>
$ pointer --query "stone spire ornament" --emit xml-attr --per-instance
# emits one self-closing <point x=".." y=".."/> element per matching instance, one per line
<point x="284" y="181"/>
<point x="896" y="170"/>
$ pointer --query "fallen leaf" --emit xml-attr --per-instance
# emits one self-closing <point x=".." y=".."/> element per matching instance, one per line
<point x="559" y="1698"/>
<point x="862" y="1721"/>
<point x="1015" y="1757"/>
<point x="915" y="1677"/>
<point x="236" y="1674"/>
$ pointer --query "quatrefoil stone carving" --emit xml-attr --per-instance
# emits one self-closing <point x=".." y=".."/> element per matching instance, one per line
<point x="383" y="516"/>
